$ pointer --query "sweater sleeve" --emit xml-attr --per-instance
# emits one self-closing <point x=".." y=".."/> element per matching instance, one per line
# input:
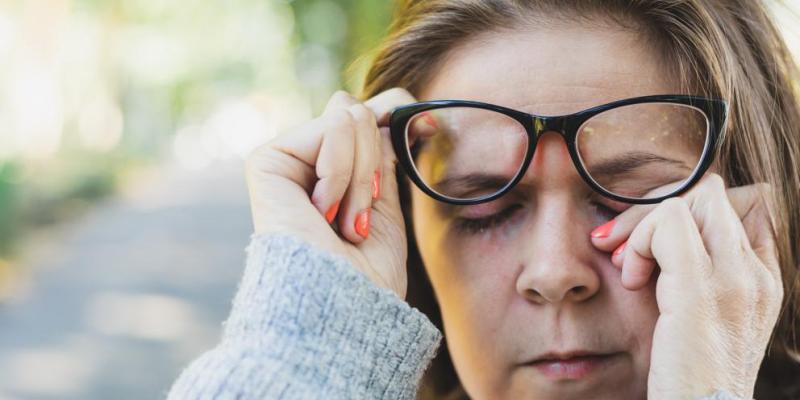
<point x="305" y="323"/>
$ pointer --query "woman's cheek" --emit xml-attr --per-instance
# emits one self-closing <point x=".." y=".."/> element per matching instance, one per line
<point x="637" y="313"/>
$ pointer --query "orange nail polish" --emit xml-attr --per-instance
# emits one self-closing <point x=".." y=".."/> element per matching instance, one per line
<point x="604" y="230"/>
<point x="362" y="223"/>
<point x="430" y="121"/>
<point x="376" y="184"/>
<point x="620" y="249"/>
<point x="332" y="212"/>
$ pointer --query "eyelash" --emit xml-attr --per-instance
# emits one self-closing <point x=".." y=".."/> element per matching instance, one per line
<point x="607" y="211"/>
<point x="479" y="225"/>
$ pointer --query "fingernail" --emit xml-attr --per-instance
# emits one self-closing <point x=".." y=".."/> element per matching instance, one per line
<point x="332" y="212"/>
<point x="362" y="223"/>
<point x="430" y="121"/>
<point x="376" y="184"/>
<point x="604" y="230"/>
<point x="620" y="249"/>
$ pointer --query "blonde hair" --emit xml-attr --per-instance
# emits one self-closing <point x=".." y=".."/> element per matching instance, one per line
<point x="729" y="49"/>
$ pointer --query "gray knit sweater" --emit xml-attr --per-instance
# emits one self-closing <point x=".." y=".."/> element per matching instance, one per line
<point x="305" y="324"/>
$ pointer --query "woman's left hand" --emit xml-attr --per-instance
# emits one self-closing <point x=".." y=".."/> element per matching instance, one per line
<point x="719" y="288"/>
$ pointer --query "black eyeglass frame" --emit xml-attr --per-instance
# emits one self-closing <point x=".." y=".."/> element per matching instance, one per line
<point x="715" y="111"/>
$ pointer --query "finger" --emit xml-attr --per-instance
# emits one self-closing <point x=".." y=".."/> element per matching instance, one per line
<point x="383" y="103"/>
<point x="734" y="263"/>
<point x="752" y="205"/>
<point x="612" y="234"/>
<point x="389" y="201"/>
<point x="326" y="144"/>
<point x="710" y="209"/>
<point x="670" y="235"/>
<point x="339" y="100"/>
<point x="717" y="222"/>
<point x="357" y="202"/>
<point x="334" y="166"/>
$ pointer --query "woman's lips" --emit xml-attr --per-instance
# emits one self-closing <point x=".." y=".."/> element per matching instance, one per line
<point x="573" y="367"/>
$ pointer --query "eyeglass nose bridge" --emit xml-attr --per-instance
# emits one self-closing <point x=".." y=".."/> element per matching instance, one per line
<point x="542" y="124"/>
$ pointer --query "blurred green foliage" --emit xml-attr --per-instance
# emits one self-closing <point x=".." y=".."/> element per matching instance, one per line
<point x="8" y="206"/>
<point x="350" y="29"/>
<point x="164" y="66"/>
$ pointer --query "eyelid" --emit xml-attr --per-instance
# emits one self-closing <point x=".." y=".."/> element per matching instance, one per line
<point x="479" y="210"/>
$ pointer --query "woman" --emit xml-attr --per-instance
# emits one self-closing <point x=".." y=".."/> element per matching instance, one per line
<point x="639" y="242"/>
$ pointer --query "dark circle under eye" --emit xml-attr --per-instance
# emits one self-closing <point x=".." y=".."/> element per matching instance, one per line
<point x="606" y="212"/>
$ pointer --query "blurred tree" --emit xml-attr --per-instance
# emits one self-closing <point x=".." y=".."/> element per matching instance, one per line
<point x="335" y="34"/>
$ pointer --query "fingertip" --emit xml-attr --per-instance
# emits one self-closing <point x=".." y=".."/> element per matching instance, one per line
<point x="332" y="210"/>
<point x="603" y="231"/>
<point x="636" y="271"/>
<point x="362" y="223"/>
<point x="618" y="255"/>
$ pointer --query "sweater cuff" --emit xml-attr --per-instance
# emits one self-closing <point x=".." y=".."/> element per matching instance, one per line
<point x="313" y="308"/>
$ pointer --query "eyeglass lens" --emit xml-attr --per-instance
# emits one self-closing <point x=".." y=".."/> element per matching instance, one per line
<point x="636" y="151"/>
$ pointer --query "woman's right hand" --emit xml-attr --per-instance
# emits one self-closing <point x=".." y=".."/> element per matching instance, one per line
<point x="317" y="181"/>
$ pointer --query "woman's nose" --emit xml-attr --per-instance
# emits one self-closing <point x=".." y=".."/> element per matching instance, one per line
<point x="557" y="266"/>
<point x="557" y="263"/>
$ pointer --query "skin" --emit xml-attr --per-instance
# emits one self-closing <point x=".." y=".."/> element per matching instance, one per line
<point x="537" y="283"/>
<point x="665" y="304"/>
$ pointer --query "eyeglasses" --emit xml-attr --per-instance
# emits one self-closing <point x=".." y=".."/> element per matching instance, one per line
<point x="639" y="150"/>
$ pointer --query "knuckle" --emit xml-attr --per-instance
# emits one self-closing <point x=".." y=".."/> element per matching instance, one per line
<point x="338" y="179"/>
<point x="364" y="179"/>
<point x="675" y="206"/>
<point x="738" y="292"/>
<point x="363" y="114"/>
<point x="715" y="180"/>
<point x="342" y="119"/>
<point x="399" y="92"/>
<point x="261" y="160"/>
<point x="713" y="188"/>
<point x="340" y="93"/>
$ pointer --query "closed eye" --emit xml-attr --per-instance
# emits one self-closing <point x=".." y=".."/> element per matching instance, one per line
<point x="479" y="225"/>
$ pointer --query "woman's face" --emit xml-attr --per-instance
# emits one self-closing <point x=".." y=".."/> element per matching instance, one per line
<point x="533" y="283"/>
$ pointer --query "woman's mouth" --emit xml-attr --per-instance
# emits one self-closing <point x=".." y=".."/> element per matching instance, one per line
<point x="572" y="367"/>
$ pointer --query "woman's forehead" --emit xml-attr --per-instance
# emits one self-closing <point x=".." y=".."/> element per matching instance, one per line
<point x="551" y="71"/>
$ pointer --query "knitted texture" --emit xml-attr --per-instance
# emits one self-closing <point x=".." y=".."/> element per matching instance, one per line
<point x="306" y="324"/>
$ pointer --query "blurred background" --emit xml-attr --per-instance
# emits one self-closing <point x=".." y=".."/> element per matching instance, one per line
<point x="123" y="209"/>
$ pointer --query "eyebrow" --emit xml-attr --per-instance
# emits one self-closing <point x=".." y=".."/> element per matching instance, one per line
<point x="463" y="185"/>
<point x="629" y="161"/>
<point x="466" y="184"/>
